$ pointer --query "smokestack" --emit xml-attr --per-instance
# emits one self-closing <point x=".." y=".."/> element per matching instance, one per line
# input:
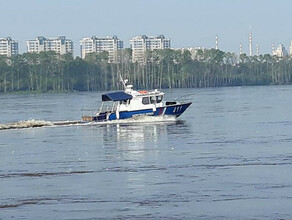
<point x="250" y="44"/>
<point x="240" y="49"/>
<point x="258" y="52"/>
<point x="273" y="48"/>
<point x="216" y="42"/>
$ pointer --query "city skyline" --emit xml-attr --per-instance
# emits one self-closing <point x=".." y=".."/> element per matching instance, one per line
<point x="97" y="44"/>
<point x="138" y="44"/>
<point x="187" y="23"/>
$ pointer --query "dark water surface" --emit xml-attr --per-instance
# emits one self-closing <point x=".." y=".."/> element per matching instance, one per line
<point x="228" y="157"/>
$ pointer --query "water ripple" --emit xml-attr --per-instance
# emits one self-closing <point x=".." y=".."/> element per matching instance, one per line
<point x="41" y="174"/>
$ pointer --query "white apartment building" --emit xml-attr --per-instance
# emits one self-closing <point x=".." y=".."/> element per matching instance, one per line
<point x="8" y="47"/>
<point x="194" y="51"/>
<point x="99" y="44"/>
<point x="140" y="44"/>
<point x="60" y="45"/>
<point x="280" y="51"/>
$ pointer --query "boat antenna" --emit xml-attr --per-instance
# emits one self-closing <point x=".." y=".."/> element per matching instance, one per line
<point x="123" y="81"/>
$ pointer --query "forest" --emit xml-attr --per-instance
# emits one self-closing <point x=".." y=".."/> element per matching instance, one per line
<point x="48" y="71"/>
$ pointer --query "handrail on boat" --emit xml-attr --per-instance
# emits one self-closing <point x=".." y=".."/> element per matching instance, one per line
<point x="102" y="108"/>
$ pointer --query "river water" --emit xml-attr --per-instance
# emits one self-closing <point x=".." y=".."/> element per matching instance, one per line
<point x="229" y="156"/>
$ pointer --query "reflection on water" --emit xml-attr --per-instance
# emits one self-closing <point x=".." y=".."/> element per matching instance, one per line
<point x="133" y="135"/>
<point x="137" y="135"/>
<point x="133" y="141"/>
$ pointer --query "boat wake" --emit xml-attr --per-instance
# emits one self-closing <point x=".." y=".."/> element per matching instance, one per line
<point x="32" y="123"/>
<point x="25" y="124"/>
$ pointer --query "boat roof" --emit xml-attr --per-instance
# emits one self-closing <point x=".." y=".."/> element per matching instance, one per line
<point x="116" y="96"/>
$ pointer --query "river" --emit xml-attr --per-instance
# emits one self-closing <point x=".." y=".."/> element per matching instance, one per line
<point x="229" y="156"/>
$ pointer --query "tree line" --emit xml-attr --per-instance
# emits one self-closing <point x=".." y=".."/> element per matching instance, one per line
<point x="48" y="71"/>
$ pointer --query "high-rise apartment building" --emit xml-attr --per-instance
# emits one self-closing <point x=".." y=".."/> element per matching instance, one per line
<point x="8" y="47"/>
<point x="140" y="44"/>
<point x="99" y="44"/>
<point x="60" y="45"/>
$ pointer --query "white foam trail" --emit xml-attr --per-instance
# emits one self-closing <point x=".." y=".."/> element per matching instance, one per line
<point x="32" y="123"/>
<point x="68" y="122"/>
<point x="25" y="124"/>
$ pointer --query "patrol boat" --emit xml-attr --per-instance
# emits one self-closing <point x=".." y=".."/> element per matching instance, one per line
<point x="133" y="104"/>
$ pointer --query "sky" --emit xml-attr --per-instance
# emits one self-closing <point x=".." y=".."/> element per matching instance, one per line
<point x="188" y="23"/>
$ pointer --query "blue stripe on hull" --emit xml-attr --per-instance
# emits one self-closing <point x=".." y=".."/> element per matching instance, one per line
<point x="126" y="114"/>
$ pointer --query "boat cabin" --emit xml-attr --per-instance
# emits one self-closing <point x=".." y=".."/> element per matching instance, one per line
<point x="132" y="100"/>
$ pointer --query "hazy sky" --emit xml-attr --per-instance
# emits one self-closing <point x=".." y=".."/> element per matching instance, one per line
<point x="188" y="23"/>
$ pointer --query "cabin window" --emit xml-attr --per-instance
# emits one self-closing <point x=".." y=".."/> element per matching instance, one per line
<point x="152" y="99"/>
<point x="123" y="102"/>
<point x="145" y="100"/>
<point x="159" y="98"/>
